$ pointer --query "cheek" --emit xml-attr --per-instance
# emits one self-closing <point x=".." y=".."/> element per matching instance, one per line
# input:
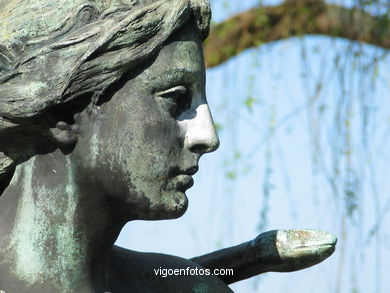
<point x="139" y="144"/>
<point x="145" y="148"/>
<point x="163" y="135"/>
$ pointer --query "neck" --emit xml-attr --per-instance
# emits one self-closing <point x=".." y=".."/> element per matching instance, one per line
<point x="58" y="234"/>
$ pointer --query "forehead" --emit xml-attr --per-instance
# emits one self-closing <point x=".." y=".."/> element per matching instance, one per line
<point x="181" y="56"/>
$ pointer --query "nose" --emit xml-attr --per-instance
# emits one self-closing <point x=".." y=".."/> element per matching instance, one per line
<point x="200" y="134"/>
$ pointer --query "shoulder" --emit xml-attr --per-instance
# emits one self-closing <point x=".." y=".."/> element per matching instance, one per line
<point x="133" y="271"/>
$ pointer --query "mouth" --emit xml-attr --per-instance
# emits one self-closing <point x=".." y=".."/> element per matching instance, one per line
<point x="182" y="178"/>
<point x="180" y="182"/>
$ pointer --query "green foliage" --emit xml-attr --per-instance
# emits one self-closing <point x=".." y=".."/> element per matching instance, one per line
<point x="249" y="102"/>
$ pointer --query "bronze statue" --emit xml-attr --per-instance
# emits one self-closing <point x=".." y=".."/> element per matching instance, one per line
<point x="103" y="119"/>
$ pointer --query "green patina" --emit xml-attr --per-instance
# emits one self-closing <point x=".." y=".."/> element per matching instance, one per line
<point x="51" y="18"/>
<point x="28" y="265"/>
<point x="201" y="288"/>
<point x="34" y="229"/>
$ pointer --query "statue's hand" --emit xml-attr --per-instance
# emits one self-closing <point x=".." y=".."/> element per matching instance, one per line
<point x="272" y="251"/>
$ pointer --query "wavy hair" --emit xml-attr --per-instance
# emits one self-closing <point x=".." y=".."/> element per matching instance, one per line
<point x="56" y="52"/>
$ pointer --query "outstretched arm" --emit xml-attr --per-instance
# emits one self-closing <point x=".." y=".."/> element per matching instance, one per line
<point x="272" y="251"/>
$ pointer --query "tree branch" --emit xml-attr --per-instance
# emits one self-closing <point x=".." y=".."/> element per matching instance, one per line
<point x="257" y="26"/>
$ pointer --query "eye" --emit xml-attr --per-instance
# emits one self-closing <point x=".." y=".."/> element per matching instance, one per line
<point x="176" y="100"/>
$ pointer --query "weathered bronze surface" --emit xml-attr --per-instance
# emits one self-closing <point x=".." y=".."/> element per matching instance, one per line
<point x="103" y="119"/>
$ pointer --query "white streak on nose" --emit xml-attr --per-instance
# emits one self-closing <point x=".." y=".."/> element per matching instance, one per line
<point x="200" y="134"/>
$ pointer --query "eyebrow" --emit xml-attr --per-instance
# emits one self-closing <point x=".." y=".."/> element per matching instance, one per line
<point x="180" y="72"/>
<point x="172" y="76"/>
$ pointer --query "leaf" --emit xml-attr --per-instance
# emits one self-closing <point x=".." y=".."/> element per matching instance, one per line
<point x="249" y="102"/>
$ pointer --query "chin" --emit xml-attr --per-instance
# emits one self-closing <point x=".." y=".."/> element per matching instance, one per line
<point x="172" y="207"/>
<point x="178" y="211"/>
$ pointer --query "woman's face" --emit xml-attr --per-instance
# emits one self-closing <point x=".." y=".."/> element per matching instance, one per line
<point x="143" y="145"/>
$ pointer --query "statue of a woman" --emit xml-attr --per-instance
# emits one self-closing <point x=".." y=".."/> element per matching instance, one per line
<point x="103" y="119"/>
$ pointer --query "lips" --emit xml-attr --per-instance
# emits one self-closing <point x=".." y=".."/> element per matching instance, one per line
<point x="184" y="182"/>
<point x="181" y="182"/>
<point x="181" y="177"/>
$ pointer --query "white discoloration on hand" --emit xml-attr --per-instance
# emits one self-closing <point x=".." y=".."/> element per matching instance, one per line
<point x="299" y="244"/>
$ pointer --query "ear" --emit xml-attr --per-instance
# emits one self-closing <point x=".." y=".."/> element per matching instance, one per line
<point x="65" y="135"/>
